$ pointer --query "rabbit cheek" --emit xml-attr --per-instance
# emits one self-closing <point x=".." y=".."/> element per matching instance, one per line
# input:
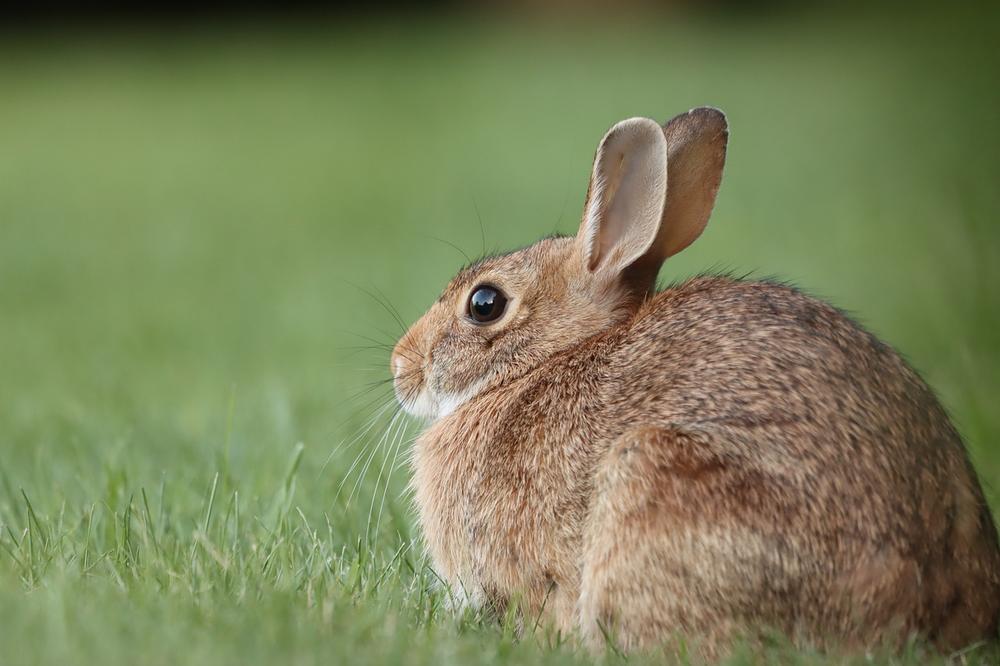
<point x="452" y="386"/>
<point x="457" y="370"/>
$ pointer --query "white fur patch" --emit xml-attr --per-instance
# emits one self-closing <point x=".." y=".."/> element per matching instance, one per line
<point x="449" y="403"/>
<point x="429" y="406"/>
<point x="421" y="405"/>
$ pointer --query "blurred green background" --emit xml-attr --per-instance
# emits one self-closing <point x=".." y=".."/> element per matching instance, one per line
<point x="196" y="223"/>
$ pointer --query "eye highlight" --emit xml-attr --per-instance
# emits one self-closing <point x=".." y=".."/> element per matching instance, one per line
<point x="486" y="304"/>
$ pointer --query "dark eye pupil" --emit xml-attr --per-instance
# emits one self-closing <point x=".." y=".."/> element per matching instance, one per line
<point x="486" y="304"/>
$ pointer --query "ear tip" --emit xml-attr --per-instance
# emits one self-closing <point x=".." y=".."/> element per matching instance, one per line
<point x="632" y="133"/>
<point x="710" y="115"/>
<point x="709" y="111"/>
<point x="635" y="125"/>
<point x="703" y="121"/>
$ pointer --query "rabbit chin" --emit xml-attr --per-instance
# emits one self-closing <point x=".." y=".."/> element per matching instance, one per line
<point x="434" y="407"/>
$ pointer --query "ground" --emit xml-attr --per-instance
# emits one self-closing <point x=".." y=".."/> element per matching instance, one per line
<point x="197" y="224"/>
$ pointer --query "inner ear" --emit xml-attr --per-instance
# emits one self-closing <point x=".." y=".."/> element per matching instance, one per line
<point x="627" y="195"/>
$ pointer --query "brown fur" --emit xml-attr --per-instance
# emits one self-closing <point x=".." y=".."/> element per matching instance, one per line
<point x="705" y="462"/>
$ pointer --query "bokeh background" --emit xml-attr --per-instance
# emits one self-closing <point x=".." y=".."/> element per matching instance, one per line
<point x="199" y="217"/>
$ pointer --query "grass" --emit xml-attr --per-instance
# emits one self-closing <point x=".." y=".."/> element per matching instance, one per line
<point x="183" y="362"/>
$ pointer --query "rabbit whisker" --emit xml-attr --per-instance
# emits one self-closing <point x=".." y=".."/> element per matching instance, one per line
<point x="374" y="449"/>
<point x="391" y="451"/>
<point x="371" y="423"/>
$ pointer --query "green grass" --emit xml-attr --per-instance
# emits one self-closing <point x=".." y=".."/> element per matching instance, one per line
<point x="183" y="217"/>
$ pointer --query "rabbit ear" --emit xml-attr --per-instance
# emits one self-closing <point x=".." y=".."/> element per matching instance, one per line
<point x="651" y="193"/>
<point x="696" y="153"/>
<point x="626" y="198"/>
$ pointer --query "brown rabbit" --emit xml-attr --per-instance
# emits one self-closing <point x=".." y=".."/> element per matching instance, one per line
<point x="703" y="462"/>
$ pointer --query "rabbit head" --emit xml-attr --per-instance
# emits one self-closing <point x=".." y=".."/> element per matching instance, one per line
<point x="651" y="191"/>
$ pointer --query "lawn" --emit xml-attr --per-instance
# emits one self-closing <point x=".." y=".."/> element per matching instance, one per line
<point x="197" y="225"/>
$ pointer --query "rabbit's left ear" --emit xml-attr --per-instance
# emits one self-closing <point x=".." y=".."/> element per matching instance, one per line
<point x="651" y="193"/>
<point x="627" y="196"/>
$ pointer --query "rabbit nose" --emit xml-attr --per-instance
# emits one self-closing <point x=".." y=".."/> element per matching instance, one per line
<point x="397" y="366"/>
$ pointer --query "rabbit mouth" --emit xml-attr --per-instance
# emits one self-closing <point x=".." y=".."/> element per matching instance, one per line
<point x="417" y="402"/>
<point x="417" y="399"/>
<point x="424" y="404"/>
<point x="412" y="392"/>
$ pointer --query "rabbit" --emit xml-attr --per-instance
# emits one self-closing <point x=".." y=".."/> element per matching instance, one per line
<point x="692" y="466"/>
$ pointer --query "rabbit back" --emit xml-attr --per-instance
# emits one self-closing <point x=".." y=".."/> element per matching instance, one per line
<point x="785" y="446"/>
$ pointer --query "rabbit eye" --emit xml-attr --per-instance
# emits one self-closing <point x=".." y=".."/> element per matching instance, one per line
<point x="486" y="304"/>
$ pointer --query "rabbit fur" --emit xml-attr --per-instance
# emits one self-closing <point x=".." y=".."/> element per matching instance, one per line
<point x="697" y="464"/>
